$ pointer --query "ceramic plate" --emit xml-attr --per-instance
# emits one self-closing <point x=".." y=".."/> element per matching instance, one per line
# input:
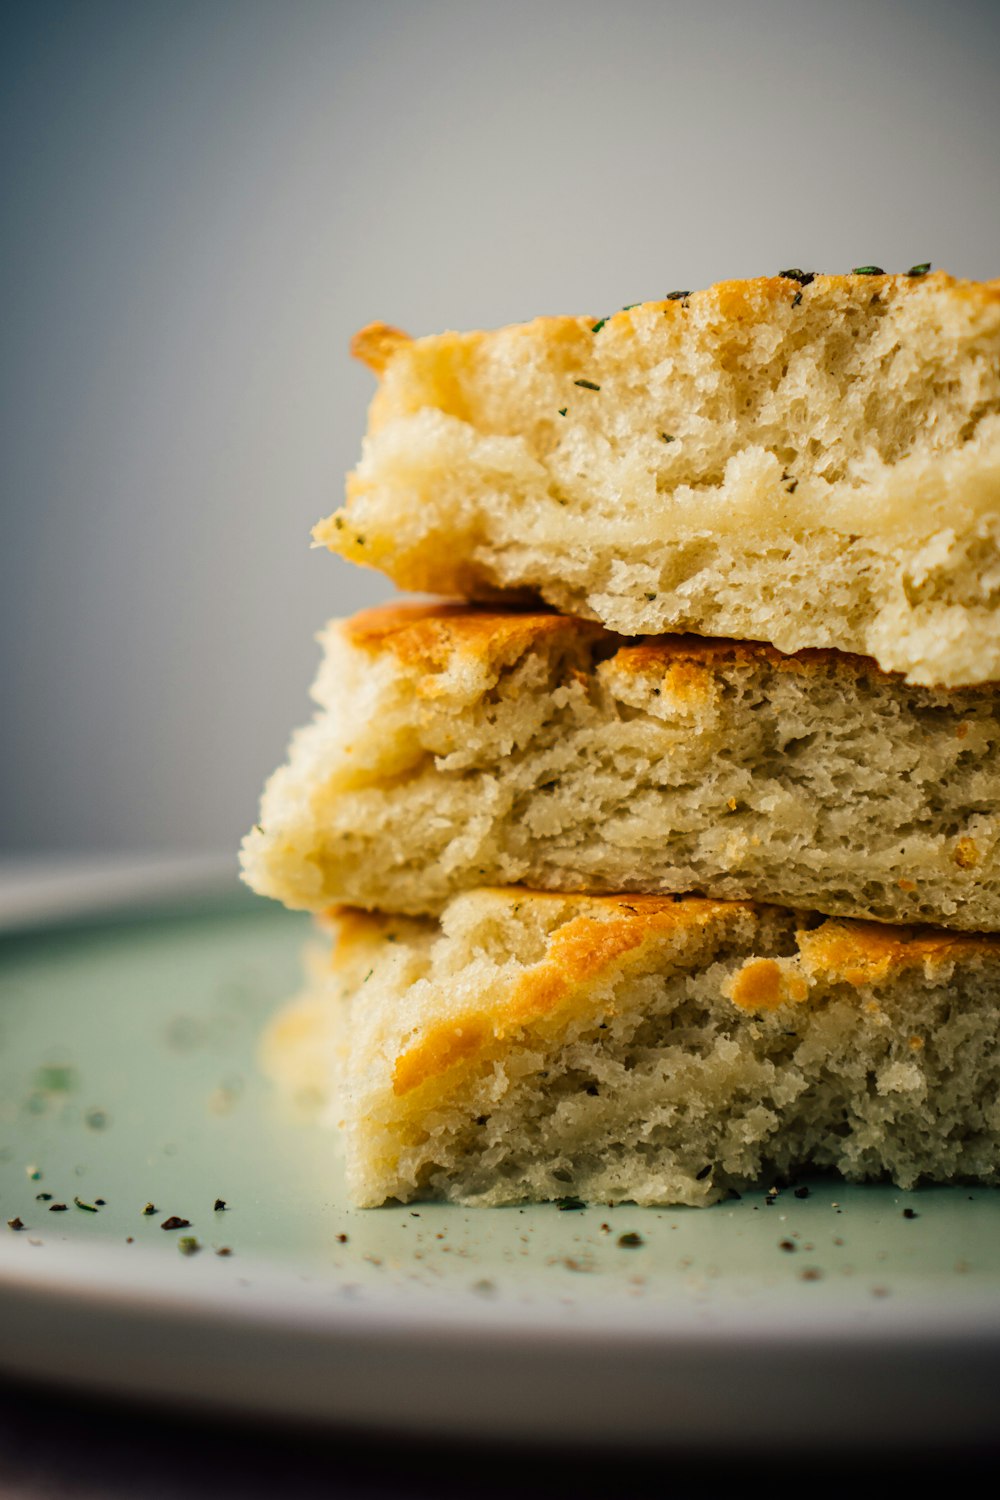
<point x="128" y="1078"/>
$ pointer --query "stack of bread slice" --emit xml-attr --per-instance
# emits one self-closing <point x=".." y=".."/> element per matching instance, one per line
<point x="670" y="859"/>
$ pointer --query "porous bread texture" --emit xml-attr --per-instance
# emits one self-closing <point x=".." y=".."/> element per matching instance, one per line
<point x="534" y="1046"/>
<point x="811" y="465"/>
<point x="460" y="747"/>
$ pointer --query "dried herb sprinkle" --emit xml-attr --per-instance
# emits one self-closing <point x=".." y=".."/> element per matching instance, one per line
<point x="176" y="1223"/>
<point x="598" y="325"/>
<point x="569" y="1205"/>
<point x="630" y="1241"/>
<point x="55" y="1079"/>
<point x="867" y="271"/>
<point x="587" y="385"/>
<point x="920" y="270"/>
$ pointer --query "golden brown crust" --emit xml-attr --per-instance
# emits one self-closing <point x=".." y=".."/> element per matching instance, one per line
<point x="607" y="931"/>
<point x="427" y="636"/>
<point x="751" y="300"/>
<point x="440" y="1049"/>
<point x="385" y="624"/>
<point x="653" y="652"/>
<point x="765" y="984"/>
<point x="863" y="953"/>
<point x="419" y="633"/>
<point x="860" y="954"/>
<point x="738" y="304"/>
<point x="603" y="933"/>
<point x="376" y="343"/>
<point x="595" y="941"/>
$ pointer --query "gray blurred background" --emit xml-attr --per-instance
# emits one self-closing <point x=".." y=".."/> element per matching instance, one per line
<point x="203" y="199"/>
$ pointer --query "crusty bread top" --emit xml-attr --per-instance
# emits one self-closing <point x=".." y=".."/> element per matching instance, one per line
<point x="426" y="636"/>
<point x="592" y="938"/>
<point x="596" y="937"/>
<point x="935" y="342"/>
<point x="854" y="953"/>
<point x="741" y="303"/>
<point x="376" y="343"/>
<point x="808" y="460"/>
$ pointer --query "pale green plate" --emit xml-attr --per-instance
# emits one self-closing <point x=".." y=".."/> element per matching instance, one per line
<point x="127" y="1074"/>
